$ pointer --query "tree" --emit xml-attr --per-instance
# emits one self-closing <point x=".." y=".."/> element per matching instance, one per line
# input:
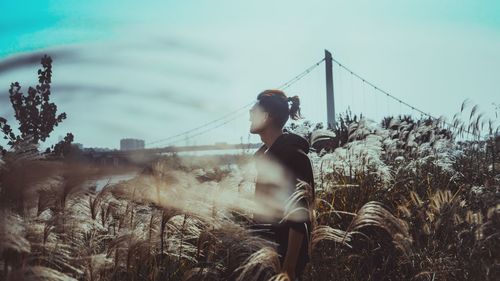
<point x="35" y="113"/>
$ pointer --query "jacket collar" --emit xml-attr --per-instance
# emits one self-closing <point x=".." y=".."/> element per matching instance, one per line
<point x="286" y="140"/>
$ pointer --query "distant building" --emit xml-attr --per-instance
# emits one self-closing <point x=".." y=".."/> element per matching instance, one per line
<point x="131" y="144"/>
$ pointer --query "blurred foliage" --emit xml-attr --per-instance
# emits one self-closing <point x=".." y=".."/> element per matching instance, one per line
<point x="35" y="113"/>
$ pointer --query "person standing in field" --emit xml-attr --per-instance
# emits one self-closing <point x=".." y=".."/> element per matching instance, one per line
<point x="283" y="167"/>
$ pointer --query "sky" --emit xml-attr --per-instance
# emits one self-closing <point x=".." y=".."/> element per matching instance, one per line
<point x="154" y="69"/>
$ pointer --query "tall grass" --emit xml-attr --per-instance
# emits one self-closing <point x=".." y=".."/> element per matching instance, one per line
<point x="400" y="200"/>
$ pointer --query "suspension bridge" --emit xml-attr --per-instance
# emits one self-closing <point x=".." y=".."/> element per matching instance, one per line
<point x="169" y="144"/>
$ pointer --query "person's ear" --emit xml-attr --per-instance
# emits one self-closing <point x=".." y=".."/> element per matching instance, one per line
<point x="267" y="117"/>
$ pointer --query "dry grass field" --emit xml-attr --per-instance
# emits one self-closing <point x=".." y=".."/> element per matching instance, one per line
<point x="398" y="200"/>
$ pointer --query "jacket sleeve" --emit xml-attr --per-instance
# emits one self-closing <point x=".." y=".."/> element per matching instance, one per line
<point x="297" y="215"/>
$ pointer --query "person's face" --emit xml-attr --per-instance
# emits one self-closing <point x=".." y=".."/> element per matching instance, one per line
<point x="258" y="118"/>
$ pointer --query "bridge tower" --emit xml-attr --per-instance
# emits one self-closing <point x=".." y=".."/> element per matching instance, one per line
<point x="330" y="98"/>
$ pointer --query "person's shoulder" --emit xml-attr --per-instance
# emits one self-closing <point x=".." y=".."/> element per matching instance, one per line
<point x="296" y="155"/>
<point x="293" y="155"/>
<point x="293" y="144"/>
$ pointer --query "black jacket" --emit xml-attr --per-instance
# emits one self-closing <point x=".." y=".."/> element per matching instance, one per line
<point x="290" y="152"/>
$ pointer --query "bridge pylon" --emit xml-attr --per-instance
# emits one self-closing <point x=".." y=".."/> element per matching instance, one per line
<point x="330" y="98"/>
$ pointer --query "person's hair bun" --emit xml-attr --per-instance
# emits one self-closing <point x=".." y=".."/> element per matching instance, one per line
<point x="278" y="105"/>
<point x="294" y="108"/>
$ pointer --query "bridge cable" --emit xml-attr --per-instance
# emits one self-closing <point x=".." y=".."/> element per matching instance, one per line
<point x="234" y="112"/>
<point x="395" y="98"/>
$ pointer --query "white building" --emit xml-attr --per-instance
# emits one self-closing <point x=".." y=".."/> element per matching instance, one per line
<point x="131" y="144"/>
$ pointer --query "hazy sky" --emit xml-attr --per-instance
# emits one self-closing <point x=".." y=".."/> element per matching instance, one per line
<point x="152" y="69"/>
